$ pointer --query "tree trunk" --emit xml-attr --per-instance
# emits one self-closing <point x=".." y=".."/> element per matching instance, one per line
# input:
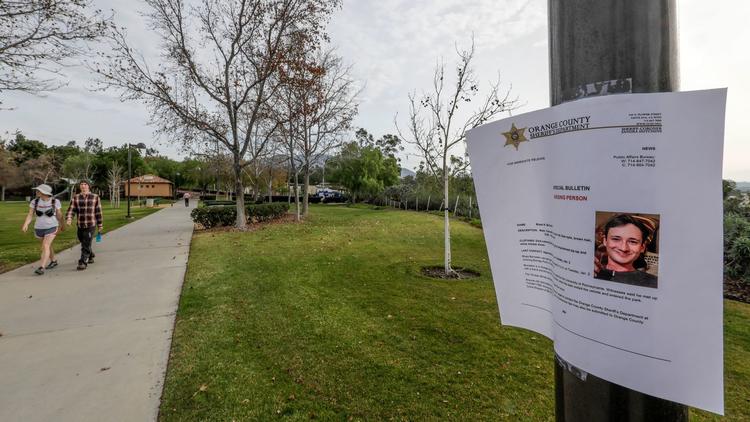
<point x="296" y="199"/>
<point x="305" y="200"/>
<point x="2" y="193"/>
<point x="296" y="189"/>
<point x="448" y="269"/>
<point x="241" y="222"/>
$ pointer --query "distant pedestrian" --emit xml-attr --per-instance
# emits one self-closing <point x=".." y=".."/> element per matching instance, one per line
<point x="88" y="207"/>
<point x="186" y="197"/>
<point x="47" y="225"/>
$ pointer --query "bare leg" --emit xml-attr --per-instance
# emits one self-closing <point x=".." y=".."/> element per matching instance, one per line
<point x="46" y="249"/>
<point x="51" y="248"/>
<point x="45" y="253"/>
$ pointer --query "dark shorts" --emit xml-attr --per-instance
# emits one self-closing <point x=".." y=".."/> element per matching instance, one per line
<point x="40" y="233"/>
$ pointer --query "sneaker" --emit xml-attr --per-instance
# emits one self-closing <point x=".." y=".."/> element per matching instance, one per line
<point x="39" y="271"/>
<point x="51" y="265"/>
<point x="81" y="266"/>
<point x="91" y="260"/>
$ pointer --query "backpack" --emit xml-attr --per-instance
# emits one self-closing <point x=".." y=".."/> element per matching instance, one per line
<point x="49" y="213"/>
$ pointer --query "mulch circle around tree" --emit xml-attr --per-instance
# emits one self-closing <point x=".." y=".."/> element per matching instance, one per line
<point x="737" y="290"/>
<point x="459" y="273"/>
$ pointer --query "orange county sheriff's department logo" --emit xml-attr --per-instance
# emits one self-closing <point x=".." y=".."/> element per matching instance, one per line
<point x="515" y="136"/>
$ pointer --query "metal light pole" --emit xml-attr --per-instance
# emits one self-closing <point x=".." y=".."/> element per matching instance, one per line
<point x="591" y="43"/>
<point x="139" y="145"/>
<point x="176" y="184"/>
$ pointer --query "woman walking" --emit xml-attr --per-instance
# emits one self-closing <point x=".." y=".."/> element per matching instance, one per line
<point x="48" y="224"/>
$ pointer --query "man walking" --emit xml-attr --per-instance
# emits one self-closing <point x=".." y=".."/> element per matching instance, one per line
<point x="88" y="207"/>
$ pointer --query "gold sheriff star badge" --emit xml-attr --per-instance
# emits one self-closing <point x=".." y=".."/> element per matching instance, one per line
<point x="514" y="136"/>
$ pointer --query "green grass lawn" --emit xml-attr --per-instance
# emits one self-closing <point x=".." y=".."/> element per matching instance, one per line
<point x="18" y="248"/>
<point x="331" y="320"/>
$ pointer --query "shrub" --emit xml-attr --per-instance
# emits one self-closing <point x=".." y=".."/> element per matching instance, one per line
<point x="266" y="212"/>
<point x="214" y="216"/>
<point x="737" y="247"/>
<point x="226" y="215"/>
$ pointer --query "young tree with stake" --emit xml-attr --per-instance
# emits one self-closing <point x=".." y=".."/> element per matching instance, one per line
<point x="437" y="123"/>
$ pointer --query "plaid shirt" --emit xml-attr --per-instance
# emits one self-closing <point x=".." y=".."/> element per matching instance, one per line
<point x="89" y="210"/>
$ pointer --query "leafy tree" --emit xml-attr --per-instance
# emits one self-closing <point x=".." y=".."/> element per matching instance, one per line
<point x="93" y="146"/>
<point x="163" y="167"/>
<point x="363" y="170"/>
<point x="390" y="145"/>
<point x="79" y="167"/>
<point x="10" y="174"/>
<point x="728" y="187"/>
<point x="197" y="173"/>
<point x="103" y="163"/>
<point x="26" y="149"/>
<point x="60" y="153"/>
<point x="737" y="247"/>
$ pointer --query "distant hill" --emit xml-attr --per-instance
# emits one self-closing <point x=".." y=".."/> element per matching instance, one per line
<point x="743" y="186"/>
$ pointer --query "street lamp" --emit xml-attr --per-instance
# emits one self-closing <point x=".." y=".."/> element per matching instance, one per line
<point x="139" y="145"/>
<point x="176" y="183"/>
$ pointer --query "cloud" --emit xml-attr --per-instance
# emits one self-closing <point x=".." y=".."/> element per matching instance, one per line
<point x="387" y="39"/>
<point x="396" y="44"/>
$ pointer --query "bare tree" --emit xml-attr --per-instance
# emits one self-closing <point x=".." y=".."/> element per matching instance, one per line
<point x="287" y="109"/>
<point x="114" y="178"/>
<point x="273" y="167"/>
<point x="262" y="151"/>
<point x="328" y="106"/>
<point x="315" y="106"/>
<point x="219" y="70"/>
<point x="39" y="37"/>
<point x="38" y="170"/>
<point x="437" y="123"/>
<point x="287" y="139"/>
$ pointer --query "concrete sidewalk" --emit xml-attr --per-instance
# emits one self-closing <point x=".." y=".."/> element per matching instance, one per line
<point x="93" y="345"/>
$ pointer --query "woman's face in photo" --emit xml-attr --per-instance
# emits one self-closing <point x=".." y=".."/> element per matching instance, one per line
<point x="624" y="244"/>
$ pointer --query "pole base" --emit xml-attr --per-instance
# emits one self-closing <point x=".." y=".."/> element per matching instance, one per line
<point x="584" y="397"/>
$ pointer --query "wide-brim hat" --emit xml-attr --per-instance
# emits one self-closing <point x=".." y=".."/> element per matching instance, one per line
<point x="44" y="189"/>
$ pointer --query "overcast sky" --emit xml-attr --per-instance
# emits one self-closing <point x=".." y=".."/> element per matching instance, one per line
<point x="393" y="46"/>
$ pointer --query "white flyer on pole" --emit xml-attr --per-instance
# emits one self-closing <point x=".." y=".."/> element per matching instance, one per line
<point x="603" y="222"/>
